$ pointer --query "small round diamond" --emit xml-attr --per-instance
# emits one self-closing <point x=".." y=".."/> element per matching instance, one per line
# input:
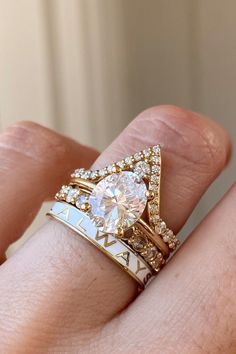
<point x="78" y="172"/>
<point x="86" y="174"/>
<point x="121" y="164"/>
<point x="110" y="168"/>
<point x="170" y="233"/>
<point x="146" y="152"/>
<point x="154" y="218"/>
<point x="151" y="254"/>
<point x="72" y="195"/>
<point x="155" y="159"/>
<point x="139" y="242"/>
<point x="142" y="168"/>
<point x="156" y="149"/>
<point x="65" y="189"/>
<point x="166" y="238"/>
<point x="94" y="174"/>
<point x="81" y="200"/>
<point x="161" y="227"/>
<point x="154" y="178"/>
<point x="156" y="169"/>
<point x="153" y="208"/>
<point x="119" y="199"/>
<point x="102" y="173"/>
<point x="128" y="160"/>
<point x="63" y="192"/>
<point x="152" y="187"/>
<point x="138" y="156"/>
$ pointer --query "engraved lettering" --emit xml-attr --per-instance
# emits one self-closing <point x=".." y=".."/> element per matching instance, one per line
<point x="139" y="267"/>
<point x="147" y="278"/>
<point x="106" y="242"/>
<point x="78" y="225"/>
<point x="65" y="212"/>
<point x="125" y="256"/>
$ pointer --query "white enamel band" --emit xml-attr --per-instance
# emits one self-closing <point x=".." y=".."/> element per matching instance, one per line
<point x="116" y="249"/>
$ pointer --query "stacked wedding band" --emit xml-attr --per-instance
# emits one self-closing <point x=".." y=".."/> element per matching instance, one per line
<point x="116" y="249"/>
<point x="117" y="208"/>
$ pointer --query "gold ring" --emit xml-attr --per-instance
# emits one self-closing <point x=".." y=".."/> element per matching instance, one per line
<point x="123" y="200"/>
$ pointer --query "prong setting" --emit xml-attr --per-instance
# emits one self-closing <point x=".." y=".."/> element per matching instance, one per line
<point x="86" y="207"/>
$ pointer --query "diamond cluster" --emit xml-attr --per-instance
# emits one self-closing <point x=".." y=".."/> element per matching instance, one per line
<point x="142" y="245"/>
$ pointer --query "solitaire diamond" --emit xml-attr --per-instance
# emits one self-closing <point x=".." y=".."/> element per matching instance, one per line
<point x="119" y="200"/>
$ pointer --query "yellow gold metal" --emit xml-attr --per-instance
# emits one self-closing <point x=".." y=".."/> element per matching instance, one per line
<point x="155" y="238"/>
<point x="118" y="169"/>
<point x="119" y="233"/>
<point x="150" y="195"/>
<point x="85" y="207"/>
<point x="83" y="184"/>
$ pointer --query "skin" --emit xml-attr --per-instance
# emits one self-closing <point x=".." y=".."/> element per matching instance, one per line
<point x="59" y="294"/>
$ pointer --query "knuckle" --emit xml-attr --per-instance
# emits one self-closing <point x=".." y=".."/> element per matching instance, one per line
<point x="31" y="140"/>
<point x="194" y="138"/>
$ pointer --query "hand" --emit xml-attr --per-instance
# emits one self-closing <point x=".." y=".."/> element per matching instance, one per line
<point x="59" y="294"/>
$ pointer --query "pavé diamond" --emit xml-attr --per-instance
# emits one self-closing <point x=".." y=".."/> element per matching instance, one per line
<point x="121" y="164"/>
<point x="156" y="149"/>
<point x="151" y="254"/>
<point x="142" y="168"/>
<point x="138" y="156"/>
<point x="146" y="152"/>
<point x="119" y="199"/>
<point x="139" y="243"/>
<point x="72" y="194"/>
<point x="128" y="160"/>
<point x="94" y="174"/>
<point x="102" y="173"/>
<point x="156" y="169"/>
<point x="81" y="200"/>
<point x="155" y="159"/>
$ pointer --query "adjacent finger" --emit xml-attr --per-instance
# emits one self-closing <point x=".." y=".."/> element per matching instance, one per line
<point x="192" y="306"/>
<point x="92" y="288"/>
<point x="34" y="162"/>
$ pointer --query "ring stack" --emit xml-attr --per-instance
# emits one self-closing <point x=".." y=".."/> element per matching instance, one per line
<point x="117" y="208"/>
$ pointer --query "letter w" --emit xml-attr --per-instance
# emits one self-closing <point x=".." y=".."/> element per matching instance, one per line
<point x="106" y="239"/>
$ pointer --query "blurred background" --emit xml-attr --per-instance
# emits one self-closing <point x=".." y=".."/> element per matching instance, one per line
<point x="87" y="67"/>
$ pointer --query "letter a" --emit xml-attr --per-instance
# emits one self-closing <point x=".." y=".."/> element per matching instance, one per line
<point x="139" y="268"/>
<point x="125" y="256"/>
<point x="65" y="213"/>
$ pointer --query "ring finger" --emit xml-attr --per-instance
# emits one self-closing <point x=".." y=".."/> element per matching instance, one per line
<point x="86" y="288"/>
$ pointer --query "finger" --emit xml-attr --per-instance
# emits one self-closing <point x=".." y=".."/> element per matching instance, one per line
<point x="34" y="162"/>
<point x="192" y="307"/>
<point x="92" y="288"/>
<point x="194" y="150"/>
